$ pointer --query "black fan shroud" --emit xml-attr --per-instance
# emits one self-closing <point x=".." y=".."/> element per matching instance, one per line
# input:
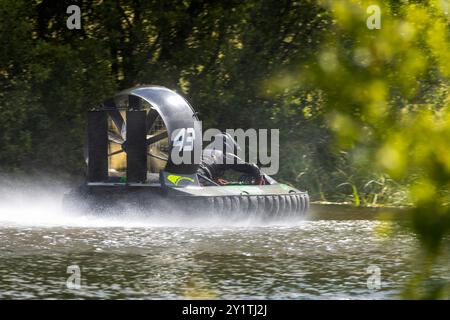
<point x="139" y="123"/>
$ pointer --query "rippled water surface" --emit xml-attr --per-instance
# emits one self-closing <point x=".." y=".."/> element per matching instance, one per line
<point x="134" y="256"/>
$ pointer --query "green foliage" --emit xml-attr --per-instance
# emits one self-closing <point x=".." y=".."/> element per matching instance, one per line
<point x="387" y="101"/>
<point x="46" y="86"/>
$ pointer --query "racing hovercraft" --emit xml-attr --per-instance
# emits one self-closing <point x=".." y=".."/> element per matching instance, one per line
<point x="132" y="142"/>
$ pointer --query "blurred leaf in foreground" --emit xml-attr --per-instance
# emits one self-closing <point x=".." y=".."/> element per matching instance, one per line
<point x="387" y="98"/>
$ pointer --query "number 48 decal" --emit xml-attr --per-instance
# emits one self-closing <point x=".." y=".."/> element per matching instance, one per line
<point x="184" y="139"/>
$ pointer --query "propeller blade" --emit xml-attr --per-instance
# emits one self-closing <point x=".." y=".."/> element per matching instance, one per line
<point x="157" y="137"/>
<point x="150" y="119"/>
<point x="114" y="137"/>
<point x="123" y="132"/>
<point x="157" y="157"/>
<point x="118" y="121"/>
<point x="115" y="152"/>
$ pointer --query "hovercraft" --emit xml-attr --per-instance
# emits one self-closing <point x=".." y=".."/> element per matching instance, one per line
<point x="131" y="142"/>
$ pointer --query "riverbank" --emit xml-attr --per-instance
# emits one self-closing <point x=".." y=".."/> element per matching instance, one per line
<point x="334" y="210"/>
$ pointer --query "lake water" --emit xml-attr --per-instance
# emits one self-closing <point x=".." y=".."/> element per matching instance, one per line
<point x="328" y="255"/>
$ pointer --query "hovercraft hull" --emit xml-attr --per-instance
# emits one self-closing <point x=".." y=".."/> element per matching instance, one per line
<point x="270" y="201"/>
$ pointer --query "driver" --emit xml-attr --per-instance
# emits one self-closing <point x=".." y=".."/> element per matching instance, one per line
<point x="214" y="161"/>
